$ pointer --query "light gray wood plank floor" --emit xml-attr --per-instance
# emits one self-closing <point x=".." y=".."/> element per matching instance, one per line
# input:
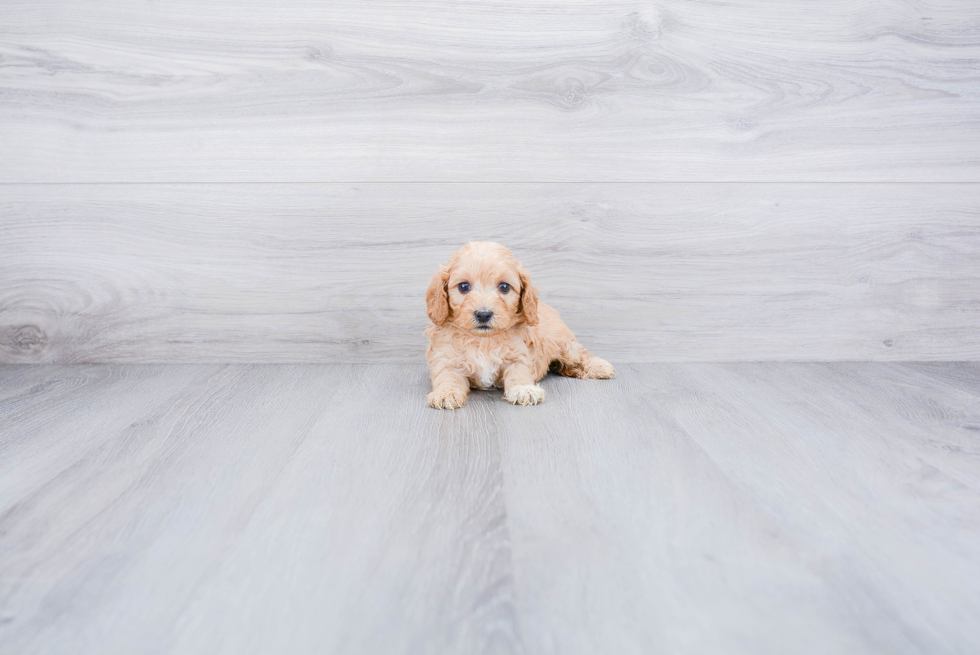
<point x="679" y="508"/>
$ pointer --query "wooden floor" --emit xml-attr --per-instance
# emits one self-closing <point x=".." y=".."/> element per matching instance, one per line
<point x="680" y="508"/>
<point x="263" y="189"/>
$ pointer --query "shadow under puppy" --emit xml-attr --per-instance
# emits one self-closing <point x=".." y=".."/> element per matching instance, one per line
<point x="490" y="330"/>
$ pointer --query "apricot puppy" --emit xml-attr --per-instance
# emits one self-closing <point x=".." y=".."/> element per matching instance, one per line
<point x="490" y="330"/>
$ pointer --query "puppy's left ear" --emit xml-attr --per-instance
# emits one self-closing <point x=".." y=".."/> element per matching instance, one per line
<point x="437" y="297"/>
<point x="529" y="299"/>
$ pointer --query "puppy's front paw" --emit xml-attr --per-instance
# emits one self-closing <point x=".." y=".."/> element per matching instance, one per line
<point x="599" y="369"/>
<point x="524" y="394"/>
<point x="446" y="399"/>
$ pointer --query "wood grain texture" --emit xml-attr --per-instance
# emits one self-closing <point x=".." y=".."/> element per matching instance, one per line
<point x="390" y="536"/>
<point x="211" y="503"/>
<point x="746" y="508"/>
<point x="321" y="273"/>
<point x="567" y="90"/>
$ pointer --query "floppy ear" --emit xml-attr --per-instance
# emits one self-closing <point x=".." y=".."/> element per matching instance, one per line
<point x="437" y="297"/>
<point x="529" y="299"/>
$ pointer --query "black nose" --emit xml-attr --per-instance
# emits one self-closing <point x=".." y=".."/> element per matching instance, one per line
<point x="483" y="315"/>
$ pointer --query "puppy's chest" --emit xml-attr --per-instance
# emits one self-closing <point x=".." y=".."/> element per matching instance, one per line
<point x="484" y="371"/>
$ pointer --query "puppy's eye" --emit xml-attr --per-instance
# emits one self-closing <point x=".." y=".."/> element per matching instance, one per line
<point x="464" y="287"/>
<point x="504" y="287"/>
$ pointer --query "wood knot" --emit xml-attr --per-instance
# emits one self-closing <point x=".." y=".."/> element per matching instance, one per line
<point x="28" y="339"/>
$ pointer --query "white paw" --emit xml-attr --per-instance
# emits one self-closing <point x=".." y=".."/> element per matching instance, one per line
<point x="600" y="369"/>
<point x="524" y="394"/>
<point x="442" y="399"/>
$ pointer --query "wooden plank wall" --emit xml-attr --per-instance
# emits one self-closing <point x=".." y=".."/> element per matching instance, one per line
<point x="276" y="181"/>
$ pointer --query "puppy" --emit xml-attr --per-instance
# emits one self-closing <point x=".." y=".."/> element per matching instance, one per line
<point x="490" y="330"/>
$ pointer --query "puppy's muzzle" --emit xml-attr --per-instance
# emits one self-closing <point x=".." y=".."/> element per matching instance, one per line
<point x="483" y="317"/>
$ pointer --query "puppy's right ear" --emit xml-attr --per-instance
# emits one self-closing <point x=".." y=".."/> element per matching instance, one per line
<point x="437" y="297"/>
<point x="529" y="298"/>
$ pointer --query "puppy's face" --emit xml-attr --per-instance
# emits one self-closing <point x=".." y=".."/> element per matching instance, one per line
<point x="483" y="290"/>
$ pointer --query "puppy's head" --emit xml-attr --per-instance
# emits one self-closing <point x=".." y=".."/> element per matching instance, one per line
<point x="482" y="289"/>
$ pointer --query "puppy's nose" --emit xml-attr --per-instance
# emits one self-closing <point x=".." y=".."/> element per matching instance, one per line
<point x="483" y="315"/>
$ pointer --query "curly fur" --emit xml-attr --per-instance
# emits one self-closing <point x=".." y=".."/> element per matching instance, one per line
<point x="524" y="340"/>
